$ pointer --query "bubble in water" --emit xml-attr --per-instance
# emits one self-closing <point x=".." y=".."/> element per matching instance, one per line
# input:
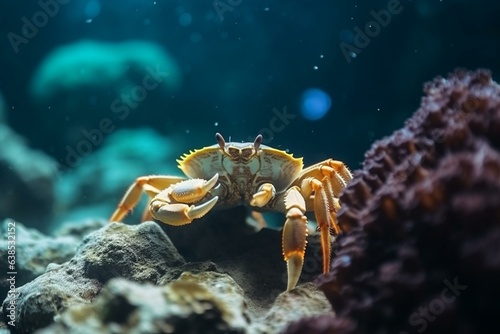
<point x="314" y="104"/>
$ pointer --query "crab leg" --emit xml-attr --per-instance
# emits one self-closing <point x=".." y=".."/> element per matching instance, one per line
<point x="152" y="185"/>
<point x="324" y="220"/>
<point x="294" y="235"/>
<point x="337" y="171"/>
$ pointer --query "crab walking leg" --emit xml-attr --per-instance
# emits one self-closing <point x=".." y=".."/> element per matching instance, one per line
<point x="333" y="204"/>
<point x="134" y="192"/>
<point x="324" y="220"/>
<point x="336" y="170"/>
<point x="337" y="182"/>
<point x="151" y="192"/>
<point x="294" y="235"/>
<point x="259" y="218"/>
<point x="341" y="169"/>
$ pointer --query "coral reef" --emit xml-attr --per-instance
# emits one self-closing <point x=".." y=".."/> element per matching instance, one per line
<point x="423" y="221"/>
<point x="102" y="288"/>
<point x="27" y="192"/>
<point x="34" y="251"/>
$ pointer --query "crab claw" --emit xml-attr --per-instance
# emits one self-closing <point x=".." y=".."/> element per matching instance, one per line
<point x="191" y="191"/>
<point x="177" y="213"/>
<point x="264" y="195"/>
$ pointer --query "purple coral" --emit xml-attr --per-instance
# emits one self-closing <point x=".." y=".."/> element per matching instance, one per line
<point x="422" y="219"/>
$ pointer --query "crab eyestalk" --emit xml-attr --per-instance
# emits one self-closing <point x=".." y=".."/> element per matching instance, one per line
<point x="257" y="142"/>
<point x="220" y="140"/>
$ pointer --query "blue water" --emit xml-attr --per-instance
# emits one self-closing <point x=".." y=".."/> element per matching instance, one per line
<point x="105" y="91"/>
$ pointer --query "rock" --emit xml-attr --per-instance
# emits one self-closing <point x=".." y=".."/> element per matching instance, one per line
<point x="27" y="192"/>
<point x="34" y="251"/>
<point x="304" y="301"/>
<point x="253" y="258"/>
<point x="225" y="296"/>
<point x="195" y="303"/>
<point x="188" y="305"/>
<point x="141" y="253"/>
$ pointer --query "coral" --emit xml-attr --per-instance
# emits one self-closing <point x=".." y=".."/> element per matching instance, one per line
<point x="34" y="251"/>
<point x="322" y="324"/>
<point x="423" y="220"/>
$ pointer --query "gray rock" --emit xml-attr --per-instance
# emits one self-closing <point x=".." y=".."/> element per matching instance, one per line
<point x="195" y="303"/>
<point x="34" y="251"/>
<point x="27" y="191"/>
<point x="207" y="302"/>
<point x="303" y="301"/>
<point x="241" y="291"/>
<point x="252" y="258"/>
<point x="141" y="253"/>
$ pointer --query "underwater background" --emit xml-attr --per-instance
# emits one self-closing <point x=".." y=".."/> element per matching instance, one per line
<point x="106" y="91"/>
<point x="94" y="94"/>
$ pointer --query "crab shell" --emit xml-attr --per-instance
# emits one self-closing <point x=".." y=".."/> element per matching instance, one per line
<point x="242" y="169"/>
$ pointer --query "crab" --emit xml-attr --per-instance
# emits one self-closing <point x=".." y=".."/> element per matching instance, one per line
<point x="229" y="174"/>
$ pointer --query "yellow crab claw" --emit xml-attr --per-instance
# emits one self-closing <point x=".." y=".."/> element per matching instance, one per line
<point x="264" y="195"/>
<point x="179" y="214"/>
<point x="193" y="190"/>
